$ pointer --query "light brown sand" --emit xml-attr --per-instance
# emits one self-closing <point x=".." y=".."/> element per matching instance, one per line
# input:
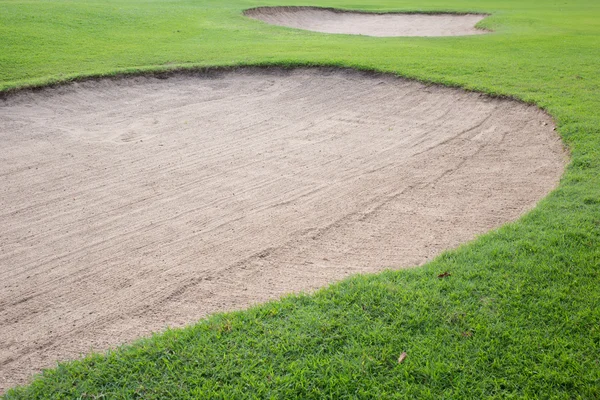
<point x="329" y="20"/>
<point x="130" y="205"/>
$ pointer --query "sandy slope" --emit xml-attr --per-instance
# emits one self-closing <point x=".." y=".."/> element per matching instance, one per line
<point x="130" y="205"/>
<point x="327" y="20"/>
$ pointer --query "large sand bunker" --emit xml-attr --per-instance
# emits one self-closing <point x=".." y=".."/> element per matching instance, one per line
<point x="329" y="20"/>
<point x="129" y="205"/>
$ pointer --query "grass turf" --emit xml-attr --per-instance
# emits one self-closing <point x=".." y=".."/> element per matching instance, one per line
<point x="519" y="316"/>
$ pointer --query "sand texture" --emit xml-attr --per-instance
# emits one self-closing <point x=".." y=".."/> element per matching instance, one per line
<point x="129" y="205"/>
<point x="328" y="20"/>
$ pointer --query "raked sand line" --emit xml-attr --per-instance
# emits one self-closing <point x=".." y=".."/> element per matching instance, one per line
<point x="330" y="20"/>
<point x="130" y="205"/>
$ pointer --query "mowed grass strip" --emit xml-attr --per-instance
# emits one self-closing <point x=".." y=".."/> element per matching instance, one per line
<point x="517" y="315"/>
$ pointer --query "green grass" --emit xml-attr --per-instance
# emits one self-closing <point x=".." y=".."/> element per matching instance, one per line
<point x="519" y="317"/>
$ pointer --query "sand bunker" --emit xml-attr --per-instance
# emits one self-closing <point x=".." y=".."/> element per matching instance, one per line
<point x="329" y="20"/>
<point x="129" y="205"/>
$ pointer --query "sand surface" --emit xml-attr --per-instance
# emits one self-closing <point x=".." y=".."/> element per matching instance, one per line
<point x="130" y="205"/>
<point x="328" y="20"/>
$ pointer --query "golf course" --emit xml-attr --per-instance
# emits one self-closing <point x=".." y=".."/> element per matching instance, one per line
<point x="327" y="199"/>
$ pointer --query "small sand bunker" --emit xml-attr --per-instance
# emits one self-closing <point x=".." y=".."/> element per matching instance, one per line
<point x="129" y="205"/>
<point x="330" y="20"/>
